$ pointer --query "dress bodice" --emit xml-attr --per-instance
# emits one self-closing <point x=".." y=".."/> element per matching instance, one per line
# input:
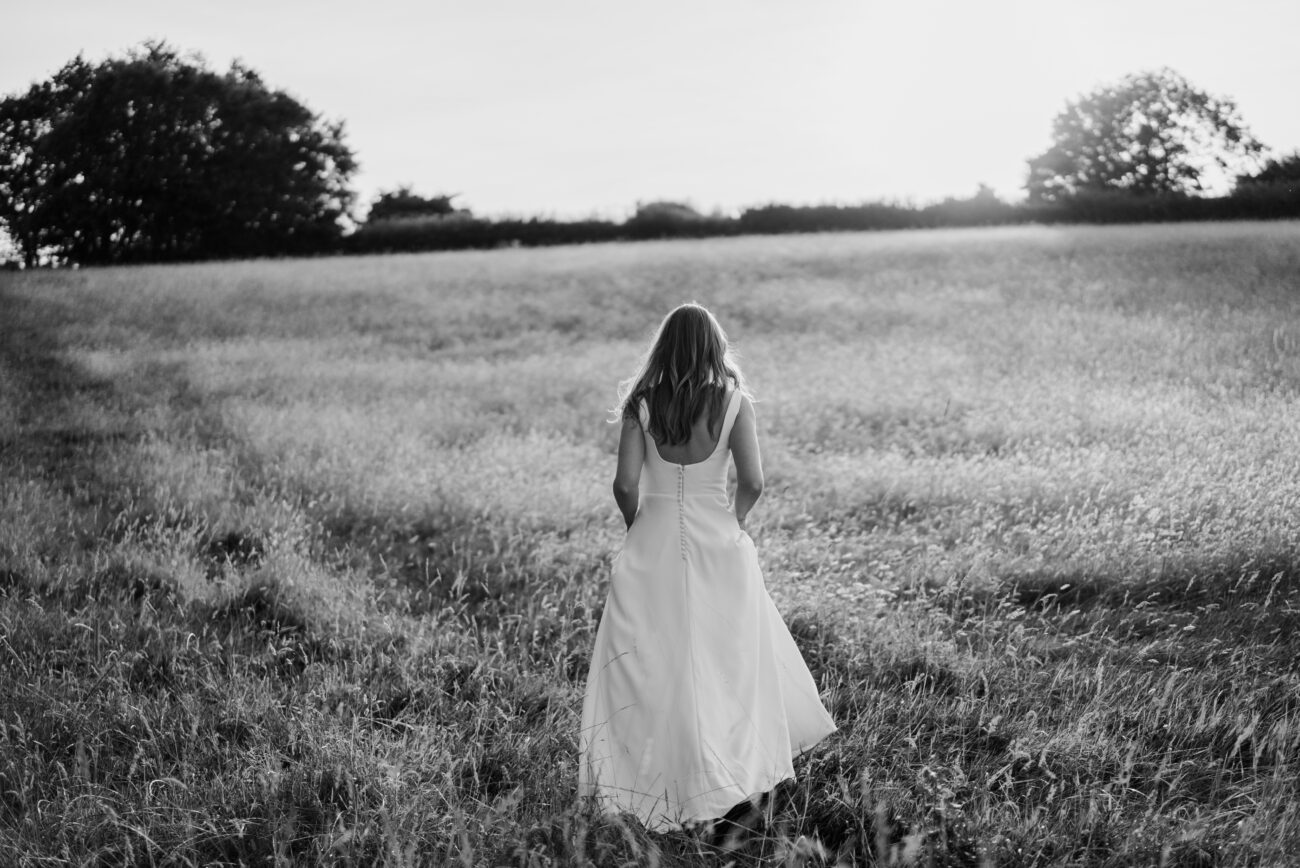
<point x="707" y="478"/>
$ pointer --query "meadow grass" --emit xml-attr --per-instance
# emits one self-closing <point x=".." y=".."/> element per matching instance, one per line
<point x="300" y="561"/>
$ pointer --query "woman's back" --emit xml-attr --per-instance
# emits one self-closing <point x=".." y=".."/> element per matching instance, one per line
<point x="693" y="468"/>
<point x="694" y="451"/>
<point x="706" y="432"/>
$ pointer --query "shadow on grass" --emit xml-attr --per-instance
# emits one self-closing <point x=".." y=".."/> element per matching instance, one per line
<point x="69" y="421"/>
<point x="1250" y="598"/>
<point x="1189" y="585"/>
<point x="48" y="436"/>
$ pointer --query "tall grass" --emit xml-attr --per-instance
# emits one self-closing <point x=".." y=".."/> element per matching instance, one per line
<point x="300" y="561"/>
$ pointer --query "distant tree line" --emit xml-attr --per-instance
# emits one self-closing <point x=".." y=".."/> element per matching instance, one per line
<point x="1139" y="150"/>
<point x="1246" y="202"/>
<point x="154" y="157"/>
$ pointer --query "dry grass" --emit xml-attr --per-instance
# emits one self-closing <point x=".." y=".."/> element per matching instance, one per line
<point x="300" y="561"/>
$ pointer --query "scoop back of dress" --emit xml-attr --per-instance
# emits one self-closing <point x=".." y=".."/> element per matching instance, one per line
<point x="697" y="696"/>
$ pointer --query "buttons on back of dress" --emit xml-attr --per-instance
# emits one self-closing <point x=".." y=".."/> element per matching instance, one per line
<point x="681" y="508"/>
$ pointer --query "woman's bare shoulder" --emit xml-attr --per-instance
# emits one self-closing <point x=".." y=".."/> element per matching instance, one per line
<point x="633" y="415"/>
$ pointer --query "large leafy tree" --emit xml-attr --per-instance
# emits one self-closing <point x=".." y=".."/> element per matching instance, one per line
<point x="155" y="157"/>
<point x="1152" y="132"/>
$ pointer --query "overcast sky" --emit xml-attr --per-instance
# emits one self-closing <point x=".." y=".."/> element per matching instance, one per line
<point x="566" y="108"/>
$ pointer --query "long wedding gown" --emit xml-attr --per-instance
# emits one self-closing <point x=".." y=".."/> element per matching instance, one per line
<point x="697" y="696"/>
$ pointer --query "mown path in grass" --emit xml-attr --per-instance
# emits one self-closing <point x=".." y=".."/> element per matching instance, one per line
<point x="302" y="560"/>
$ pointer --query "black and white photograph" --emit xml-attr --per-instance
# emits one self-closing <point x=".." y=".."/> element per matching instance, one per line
<point x="724" y="433"/>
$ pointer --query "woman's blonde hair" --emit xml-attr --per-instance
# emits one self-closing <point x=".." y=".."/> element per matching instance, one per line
<point x="684" y="374"/>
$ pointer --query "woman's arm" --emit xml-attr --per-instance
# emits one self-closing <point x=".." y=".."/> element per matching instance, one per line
<point x="749" y="466"/>
<point x="627" y="479"/>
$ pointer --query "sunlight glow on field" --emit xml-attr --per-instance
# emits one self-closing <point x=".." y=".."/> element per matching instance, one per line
<point x="1031" y="513"/>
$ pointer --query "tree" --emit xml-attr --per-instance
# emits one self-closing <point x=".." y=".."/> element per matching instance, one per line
<point x="155" y="157"/>
<point x="402" y="202"/>
<point x="1153" y="132"/>
<point x="664" y="210"/>
<point x="981" y="209"/>
<point x="664" y="219"/>
<point x="1281" y="171"/>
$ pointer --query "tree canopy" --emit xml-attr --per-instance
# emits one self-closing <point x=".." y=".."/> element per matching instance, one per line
<point x="155" y="157"/>
<point x="1152" y="132"/>
<point x="404" y="202"/>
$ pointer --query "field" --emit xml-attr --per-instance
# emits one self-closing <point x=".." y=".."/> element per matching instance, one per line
<point x="300" y="561"/>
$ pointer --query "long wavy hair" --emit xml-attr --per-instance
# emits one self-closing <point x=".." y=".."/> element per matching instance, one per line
<point x="684" y="374"/>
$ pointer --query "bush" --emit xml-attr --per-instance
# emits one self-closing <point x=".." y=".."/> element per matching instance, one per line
<point x="676" y="220"/>
<point x="462" y="231"/>
<point x="1278" y="171"/>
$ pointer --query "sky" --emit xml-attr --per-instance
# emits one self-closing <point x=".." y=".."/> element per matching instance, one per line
<point x="570" y="109"/>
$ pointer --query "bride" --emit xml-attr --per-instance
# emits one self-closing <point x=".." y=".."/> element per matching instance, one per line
<point x="697" y="699"/>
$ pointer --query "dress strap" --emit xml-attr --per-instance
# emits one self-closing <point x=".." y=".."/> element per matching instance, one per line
<point x="729" y="418"/>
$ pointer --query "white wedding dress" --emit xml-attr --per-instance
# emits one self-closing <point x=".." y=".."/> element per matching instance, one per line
<point x="697" y="696"/>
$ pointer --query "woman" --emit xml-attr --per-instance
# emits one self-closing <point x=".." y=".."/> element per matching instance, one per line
<point x="697" y="698"/>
